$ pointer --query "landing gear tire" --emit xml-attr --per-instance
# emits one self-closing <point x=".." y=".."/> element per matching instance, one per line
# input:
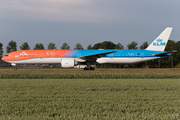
<point x="86" y="68"/>
<point x="91" y="68"/>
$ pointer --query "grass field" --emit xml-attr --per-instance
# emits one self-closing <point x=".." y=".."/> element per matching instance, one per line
<point x="41" y="75"/>
<point x="89" y="74"/>
<point x="90" y="99"/>
<point x="99" y="70"/>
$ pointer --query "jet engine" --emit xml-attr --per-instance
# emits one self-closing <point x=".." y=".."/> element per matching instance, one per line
<point x="68" y="63"/>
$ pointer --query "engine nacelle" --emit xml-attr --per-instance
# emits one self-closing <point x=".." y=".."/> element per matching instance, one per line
<point x="68" y="63"/>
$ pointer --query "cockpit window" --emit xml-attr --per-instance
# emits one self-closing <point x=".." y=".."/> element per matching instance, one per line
<point x="6" y="55"/>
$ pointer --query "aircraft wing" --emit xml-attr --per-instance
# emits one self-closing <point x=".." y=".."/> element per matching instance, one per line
<point x="161" y="54"/>
<point x="94" y="57"/>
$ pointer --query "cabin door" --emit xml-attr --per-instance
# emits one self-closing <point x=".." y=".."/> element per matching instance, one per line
<point x="111" y="55"/>
<point x="17" y="56"/>
<point x="142" y="55"/>
<point x="79" y="55"/>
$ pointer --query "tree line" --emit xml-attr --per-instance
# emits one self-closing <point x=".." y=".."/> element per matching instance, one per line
<point x="12" y="46"/>
<point x="163" y="62"/>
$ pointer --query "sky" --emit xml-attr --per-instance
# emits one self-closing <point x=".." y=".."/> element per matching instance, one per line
<point x="86" y="21"/>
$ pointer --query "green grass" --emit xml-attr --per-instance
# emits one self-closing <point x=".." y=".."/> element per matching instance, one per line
<point x="89" y="76"/>
<point x="98" y="70"/>
<point x="90" y="99"/>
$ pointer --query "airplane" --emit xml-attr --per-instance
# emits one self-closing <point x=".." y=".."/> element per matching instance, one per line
<point x="90" y="58"/>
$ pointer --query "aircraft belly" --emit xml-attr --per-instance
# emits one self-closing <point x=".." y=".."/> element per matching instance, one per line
<point x="125" y="60"/>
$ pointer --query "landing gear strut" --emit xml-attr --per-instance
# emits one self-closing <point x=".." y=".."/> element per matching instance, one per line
<point x="15" y="68"/>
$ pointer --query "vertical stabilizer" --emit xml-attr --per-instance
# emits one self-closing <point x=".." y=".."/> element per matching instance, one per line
<point x="160" y="42"/>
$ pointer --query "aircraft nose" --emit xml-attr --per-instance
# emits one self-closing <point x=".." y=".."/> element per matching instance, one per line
<point x="3" y="58"/>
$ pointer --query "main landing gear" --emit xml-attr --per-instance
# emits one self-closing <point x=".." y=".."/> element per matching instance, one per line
<point x="89" y="68"/>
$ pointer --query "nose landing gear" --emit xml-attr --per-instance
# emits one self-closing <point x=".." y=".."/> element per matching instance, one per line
<point x="14" y="66"/>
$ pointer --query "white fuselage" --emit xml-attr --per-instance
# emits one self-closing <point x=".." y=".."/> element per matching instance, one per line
<point x="104" y="60"/>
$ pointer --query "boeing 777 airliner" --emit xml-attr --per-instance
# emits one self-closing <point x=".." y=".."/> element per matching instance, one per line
<point x="90" y="58"/>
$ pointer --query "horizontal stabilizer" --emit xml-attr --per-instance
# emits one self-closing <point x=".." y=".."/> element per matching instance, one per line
<point x="165" y="53"/>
